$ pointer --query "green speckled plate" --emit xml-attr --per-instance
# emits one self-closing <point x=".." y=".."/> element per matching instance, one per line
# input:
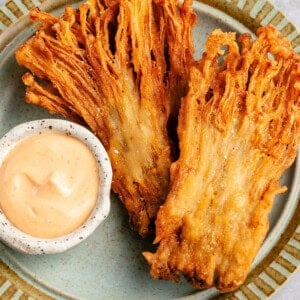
<point x="109" y="264"/>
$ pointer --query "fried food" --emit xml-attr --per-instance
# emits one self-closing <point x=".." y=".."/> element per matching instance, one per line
<point x="180" y="54"/>
<point x="239" y="130"/>
<point x="110" y="65"/>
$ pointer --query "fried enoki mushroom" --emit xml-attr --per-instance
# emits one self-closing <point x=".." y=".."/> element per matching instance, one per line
<point x="108" y="65"/>
<point x="239" y="130"/>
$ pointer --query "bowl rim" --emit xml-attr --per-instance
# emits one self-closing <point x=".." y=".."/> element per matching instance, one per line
<point x="26" y="243"/>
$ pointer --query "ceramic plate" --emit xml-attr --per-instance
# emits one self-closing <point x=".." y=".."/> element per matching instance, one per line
<point x="109" y="264"/>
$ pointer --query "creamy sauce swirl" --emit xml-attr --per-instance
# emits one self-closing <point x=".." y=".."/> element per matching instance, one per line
<point x="49" y="185"/>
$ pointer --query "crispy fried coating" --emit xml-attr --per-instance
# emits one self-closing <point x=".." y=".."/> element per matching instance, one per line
<point x="180" y="52"/>
<point x="107" y="65"/>
<point x="239" y="130"/>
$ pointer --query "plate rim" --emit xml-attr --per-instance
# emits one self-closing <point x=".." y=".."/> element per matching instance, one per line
<point x="277" y="267"/>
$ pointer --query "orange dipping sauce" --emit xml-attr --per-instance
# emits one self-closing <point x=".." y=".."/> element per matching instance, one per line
<point x="49" y="185"/>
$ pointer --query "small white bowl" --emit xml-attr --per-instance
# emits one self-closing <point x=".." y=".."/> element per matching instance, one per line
<point x="25" y="243"/>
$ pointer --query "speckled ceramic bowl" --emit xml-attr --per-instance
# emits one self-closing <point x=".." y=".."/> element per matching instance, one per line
<point x="31" y="245"/>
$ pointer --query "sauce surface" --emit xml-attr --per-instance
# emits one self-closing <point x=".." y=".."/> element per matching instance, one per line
<point x="49" y="185"/>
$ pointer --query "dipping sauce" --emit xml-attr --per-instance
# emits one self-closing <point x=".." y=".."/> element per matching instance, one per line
<point x="49" y="184"/>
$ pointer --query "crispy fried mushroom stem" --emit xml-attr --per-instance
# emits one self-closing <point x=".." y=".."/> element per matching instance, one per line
<point x="108" y="64"/>
<point x="239" y="130"/>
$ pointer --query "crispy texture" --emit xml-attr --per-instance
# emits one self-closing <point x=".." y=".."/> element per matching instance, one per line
<point x="107" y="65"/>
<point x="239" y="130"/>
